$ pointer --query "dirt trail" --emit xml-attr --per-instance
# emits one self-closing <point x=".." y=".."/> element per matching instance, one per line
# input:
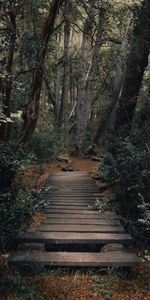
<point x="43" y="171"/>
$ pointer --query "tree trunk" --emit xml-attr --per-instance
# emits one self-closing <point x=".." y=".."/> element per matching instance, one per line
<point x="51" y="99"/>
<point x="63" y="115"/>
<point x="32" y="111"/>
<point x="57" y="82"/>
<point x="86" y="100"/>
<point x="84" y="53"/>
<point x="108" y="115"/>
<point x="137" y="62"/>
<point x="7" y="85"/>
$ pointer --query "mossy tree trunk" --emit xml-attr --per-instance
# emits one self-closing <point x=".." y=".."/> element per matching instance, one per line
<point x="32" y="110"/>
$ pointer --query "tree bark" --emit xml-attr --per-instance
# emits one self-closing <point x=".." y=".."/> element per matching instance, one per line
<point x="51" y="99"/>
<point x="63" y="115"/>
<point x="32" y="111"/>
<point x="108" y="115"/>
<point x="84" y="101"/>
<point x="136" y="64"/>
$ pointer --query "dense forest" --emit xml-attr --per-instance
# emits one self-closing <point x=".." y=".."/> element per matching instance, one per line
<point x="75" y="80"/>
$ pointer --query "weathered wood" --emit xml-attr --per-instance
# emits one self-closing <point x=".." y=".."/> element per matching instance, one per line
<point x="80" y="216"/>
<point x="73" y="238"/>
<point x="101" y="222"/>
<point x="70" y="204"/>
<point x="72" y="211"/>
<point x="69" y="197"/>
<point x="72" y="224"/>
<point x="62" y="259"/>
<point x="80" y="228"/>
<point x="68" y="207"/>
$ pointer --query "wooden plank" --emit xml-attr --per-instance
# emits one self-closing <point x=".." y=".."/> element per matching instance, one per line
<point x="69" y="197"/>
<point x="77" y="186"/>
<point x="80" y="216"/>
<point x="71" y="204"/>
<point x="82" y="221"/>
<point x="72" y="184"/>
<point x="74" y="238"/>
<point x="68" y="207"/>
<point x="62" y="259"/>
<point x="80" y="228"/>
<point x="71" y="211"/>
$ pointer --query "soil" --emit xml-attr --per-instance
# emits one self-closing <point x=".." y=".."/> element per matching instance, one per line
<point x="78" y="284"/>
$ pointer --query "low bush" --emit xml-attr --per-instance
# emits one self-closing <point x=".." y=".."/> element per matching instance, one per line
<point x="126" y="168"/>
<point x="16" y="203"/>
<point x="46" y="144"/>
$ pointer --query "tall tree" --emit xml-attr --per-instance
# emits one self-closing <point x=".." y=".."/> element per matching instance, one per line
<point x="65" y="84"/>
<point x="86" y="89"/>
<point x="108" y="119"/>
<point x="136" y="64"/>
<point x="32" y="110"/>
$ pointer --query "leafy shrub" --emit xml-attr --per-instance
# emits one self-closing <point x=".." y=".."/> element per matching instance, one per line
<point x="10" y="161"/>
<point x="46" y="143"/>
<point x="16" y="205"/>
<point x="126" y="169"/>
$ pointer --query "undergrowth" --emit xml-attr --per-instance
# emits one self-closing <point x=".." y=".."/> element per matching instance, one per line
<point x="17" y="203"/>
<point x="126" y="169"/>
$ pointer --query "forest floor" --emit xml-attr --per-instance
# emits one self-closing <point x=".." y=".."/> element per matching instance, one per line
<point x="63" y="284"/>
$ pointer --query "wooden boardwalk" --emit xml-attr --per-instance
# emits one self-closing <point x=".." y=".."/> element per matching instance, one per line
<point x="73" y="231"/>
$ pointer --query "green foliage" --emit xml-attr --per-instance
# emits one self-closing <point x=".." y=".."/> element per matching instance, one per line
<point x="24" y="291"/>
<point x="102" y="288"/>
<point x="16" y="205"/>
<point x="47" y="143"/>
<point x="126" y="169"/>
<point x="15" y="210"/>
<point x="10" y="161"/>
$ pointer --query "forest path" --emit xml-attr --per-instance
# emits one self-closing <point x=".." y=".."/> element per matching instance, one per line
<point x="73" y="231"/>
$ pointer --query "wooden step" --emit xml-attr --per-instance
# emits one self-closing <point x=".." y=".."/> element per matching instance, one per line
<point x="70" y="204"/>
<point x="68" y="198"/>
<point x="69" y="207"/>
<point x="97" y="216"/>
<point x="82" y="221"/>
<point x="63" y="259"/>
<point x="80" y="228"/>
<point x="72" y="211"/>
<point x="74" y="238"/>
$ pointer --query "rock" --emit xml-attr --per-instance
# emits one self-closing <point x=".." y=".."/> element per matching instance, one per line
<point x="96" y="158"/>
<point x="113" y="248"/>
<point x="64" y="158"/>
<point x="92" y="150"/>
<point x="67" y="169"/>
<point x="102" y="186"/>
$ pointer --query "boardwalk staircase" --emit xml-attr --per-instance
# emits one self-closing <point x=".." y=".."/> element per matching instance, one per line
<point x="73" y="232"/>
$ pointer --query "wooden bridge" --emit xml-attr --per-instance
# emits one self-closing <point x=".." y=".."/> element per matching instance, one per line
<point x="73" y="232"/>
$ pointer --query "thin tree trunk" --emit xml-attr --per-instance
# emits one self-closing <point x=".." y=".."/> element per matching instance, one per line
<point x="32" y="110"/>
<point x="63" y="112"/>
<point x="51" y="98"/>
<point x="84" y="53"/>
<point x="7" y="86"/>
<point x="108" y="115"/>
<point x="87" y="98"/>
<point x="57" y="83"/>
<point x="137" y="62"/>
